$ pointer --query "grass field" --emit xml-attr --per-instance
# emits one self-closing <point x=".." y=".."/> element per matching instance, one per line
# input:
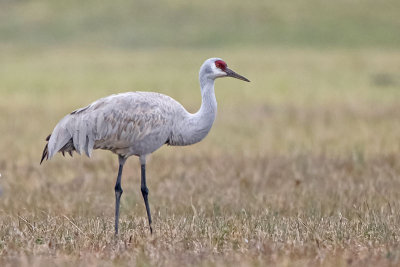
<point x="302" y="165"/>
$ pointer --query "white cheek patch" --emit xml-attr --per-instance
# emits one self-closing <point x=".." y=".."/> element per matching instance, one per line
<point x="218" y="72"/>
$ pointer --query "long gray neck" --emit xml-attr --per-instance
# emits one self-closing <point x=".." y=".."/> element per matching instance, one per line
<point x="194" y="127"/>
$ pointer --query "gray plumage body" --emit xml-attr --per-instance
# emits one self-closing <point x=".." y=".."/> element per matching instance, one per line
<point x="138" y="123"/>
<point x="134" y="123"/>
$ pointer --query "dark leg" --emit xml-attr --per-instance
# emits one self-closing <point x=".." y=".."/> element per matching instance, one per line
<point x="145" y="193"/>
<point x="118" y="192"/>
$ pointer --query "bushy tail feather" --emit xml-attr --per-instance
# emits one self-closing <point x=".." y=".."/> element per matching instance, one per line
<point x="68" y="147"/>
<point x="72" y="133"/>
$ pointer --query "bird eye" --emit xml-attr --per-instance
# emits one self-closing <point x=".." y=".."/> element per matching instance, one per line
<point x="220" y="64"/>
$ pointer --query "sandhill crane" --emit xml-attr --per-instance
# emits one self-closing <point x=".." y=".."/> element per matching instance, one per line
<point x="138" y="123"/>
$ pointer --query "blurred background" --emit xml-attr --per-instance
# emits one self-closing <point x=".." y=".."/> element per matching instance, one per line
<point x="57" y="56"/>
<point x="209" y="24"/>
<point x="315" y="134"/>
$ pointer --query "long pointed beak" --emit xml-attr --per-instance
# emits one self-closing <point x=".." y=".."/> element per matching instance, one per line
<point x="231" y="73"/>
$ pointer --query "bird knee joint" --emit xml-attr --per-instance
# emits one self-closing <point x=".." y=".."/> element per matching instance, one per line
<point x="118" y="189"/>
<point x="145" y="190"/>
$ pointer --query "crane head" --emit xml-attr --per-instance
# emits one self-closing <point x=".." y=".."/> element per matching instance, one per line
<point x="217" y="68"/>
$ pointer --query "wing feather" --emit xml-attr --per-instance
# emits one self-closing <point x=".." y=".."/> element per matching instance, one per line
<point x="115" y="122"/>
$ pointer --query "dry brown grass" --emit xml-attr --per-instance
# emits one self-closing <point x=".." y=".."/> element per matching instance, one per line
<point x="301" y="168"/>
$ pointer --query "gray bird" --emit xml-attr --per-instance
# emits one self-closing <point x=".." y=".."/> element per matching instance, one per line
<point x="138" y="123"/>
